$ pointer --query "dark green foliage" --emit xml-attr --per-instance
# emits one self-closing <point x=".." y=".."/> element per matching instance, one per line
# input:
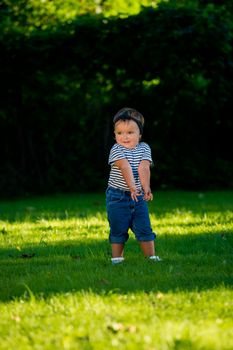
<point x="60" y="89"/>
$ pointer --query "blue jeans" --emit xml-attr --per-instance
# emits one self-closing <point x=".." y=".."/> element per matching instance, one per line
<point x="124" y="213"/>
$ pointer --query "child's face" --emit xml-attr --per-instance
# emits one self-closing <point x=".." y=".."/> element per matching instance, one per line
<point x="127" y="133"/>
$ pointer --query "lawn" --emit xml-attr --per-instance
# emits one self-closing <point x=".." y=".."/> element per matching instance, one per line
<point x="58" y="289"/>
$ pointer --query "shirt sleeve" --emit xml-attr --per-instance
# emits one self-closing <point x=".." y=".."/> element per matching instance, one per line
<point x="147" y="154"/>
<point x="116" y="153"/>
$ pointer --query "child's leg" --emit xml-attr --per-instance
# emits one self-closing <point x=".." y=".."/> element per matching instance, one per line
<point x="148" y="248"/>
<point x="143" y="231"/>
<point x="117" y="250"/>
<point x="119" y="217"/>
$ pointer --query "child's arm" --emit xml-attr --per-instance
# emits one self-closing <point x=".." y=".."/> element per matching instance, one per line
<point x="144" y="176"/>
<point x="127" y="174"/>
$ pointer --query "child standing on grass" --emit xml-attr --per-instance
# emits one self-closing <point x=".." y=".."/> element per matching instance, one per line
<point x="129" y="186"/>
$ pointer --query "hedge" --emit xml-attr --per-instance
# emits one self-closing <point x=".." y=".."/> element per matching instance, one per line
<point x="60" y="90"/>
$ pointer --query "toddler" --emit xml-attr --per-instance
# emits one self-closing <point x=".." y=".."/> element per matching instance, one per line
<point x="129" y="186"/>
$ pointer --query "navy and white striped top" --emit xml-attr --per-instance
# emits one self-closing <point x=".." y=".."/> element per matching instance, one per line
<point x="134" y="156"/>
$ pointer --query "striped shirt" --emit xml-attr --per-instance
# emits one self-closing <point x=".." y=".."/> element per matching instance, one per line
<point x="134" y="156"/>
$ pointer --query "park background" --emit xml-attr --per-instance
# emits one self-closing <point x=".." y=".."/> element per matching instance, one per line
<point x="66" y="67"/>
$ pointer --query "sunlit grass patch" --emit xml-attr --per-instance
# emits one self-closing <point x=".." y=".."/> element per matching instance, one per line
<point x="140" y="320"/>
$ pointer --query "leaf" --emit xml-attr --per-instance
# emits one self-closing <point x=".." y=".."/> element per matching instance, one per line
<point x="76" y="257"/>
<point x="27" y="256"/>
<point x="115" y="327"/>
<point x="104" y="281"/>
<point x="131" y="328"/>
<point x="4" y="231"/>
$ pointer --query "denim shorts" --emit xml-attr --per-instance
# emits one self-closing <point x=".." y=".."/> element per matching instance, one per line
<point x="124" y="214"/>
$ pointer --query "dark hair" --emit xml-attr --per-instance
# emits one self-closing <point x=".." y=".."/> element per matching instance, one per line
<point x="130" y="114"/>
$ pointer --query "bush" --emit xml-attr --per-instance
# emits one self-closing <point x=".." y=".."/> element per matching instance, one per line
<point x="60" y="89"/>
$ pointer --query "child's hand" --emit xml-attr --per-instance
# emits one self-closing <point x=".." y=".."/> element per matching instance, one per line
<point x="148" y="196"/>
<point x="134" y="194"/>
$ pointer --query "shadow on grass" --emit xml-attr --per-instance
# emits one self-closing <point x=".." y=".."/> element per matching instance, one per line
<point x="55" y="207"/>
<point x="83" y="205"/>
<point x="191" y="262"/>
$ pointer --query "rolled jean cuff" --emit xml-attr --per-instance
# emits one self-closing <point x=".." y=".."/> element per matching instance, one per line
<point x="147" y="238"/>
<point x="118" y="240"/>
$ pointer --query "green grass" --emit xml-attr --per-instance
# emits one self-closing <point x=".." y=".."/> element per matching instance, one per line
<point x="58" y="289"/>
